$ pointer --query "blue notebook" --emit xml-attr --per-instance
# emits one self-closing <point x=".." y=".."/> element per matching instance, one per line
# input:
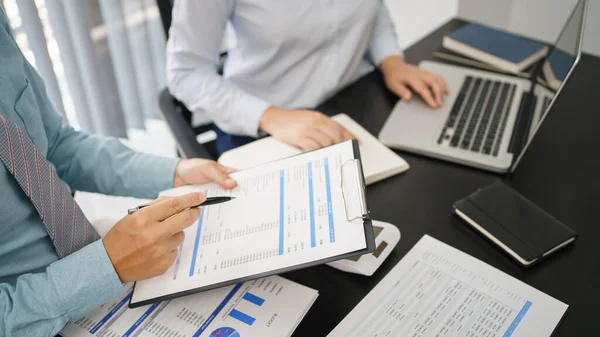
<point x="499" y="48"/>
<point x="557" y="66"/>
<point x="561" y="63"/>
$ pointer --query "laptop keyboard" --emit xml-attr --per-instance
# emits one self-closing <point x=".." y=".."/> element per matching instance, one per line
<point x="478" y="117"/>
<point x="545" y="104"/>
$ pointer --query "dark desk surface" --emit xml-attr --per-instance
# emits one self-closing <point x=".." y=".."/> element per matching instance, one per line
<point x="560" y="173"/>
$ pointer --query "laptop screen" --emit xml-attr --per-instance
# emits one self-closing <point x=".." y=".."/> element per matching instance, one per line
<point x="556" y="68"/>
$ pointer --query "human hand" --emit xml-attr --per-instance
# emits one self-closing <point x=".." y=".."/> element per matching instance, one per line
<point x="305" y="129"/>
<point x="201" y="171"/>
<point x="399" y="76"/>
<point x="144" y="244"/>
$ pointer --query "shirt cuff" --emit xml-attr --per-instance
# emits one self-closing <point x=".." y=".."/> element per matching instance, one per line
<point x="383" y="47"/>
<point x="85" y="280"/>
<point x="252" y="109"/>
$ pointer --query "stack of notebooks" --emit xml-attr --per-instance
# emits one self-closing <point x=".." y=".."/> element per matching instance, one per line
<point x="492" y="49"/>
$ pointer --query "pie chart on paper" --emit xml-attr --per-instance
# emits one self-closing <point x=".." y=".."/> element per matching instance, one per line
<point x="225" y="332"/>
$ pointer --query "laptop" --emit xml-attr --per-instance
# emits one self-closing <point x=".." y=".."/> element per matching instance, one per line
<point x="487" y="119"/>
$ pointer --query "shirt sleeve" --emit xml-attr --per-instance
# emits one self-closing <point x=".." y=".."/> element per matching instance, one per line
<point x="99" y="164"/>
<point x="42" y="304"/>
<point x="4" y="20"/>
<point x="384" y="42"/>
<point x="193" y="50"/>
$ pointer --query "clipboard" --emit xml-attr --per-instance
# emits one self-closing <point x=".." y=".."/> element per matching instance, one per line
<point x="355" y="208"/>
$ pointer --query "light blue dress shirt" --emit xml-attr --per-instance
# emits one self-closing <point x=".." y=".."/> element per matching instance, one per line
<point x="288" y="53"/>
<point x="39" y="293"/>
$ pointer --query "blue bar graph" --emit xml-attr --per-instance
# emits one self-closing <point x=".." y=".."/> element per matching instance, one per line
<point x="250" y="297"/>
<point x="329" y="206"/>
<point x="111" y="313"/>
<point x="240" y="316"/>
<point x="518" y="319"/>
<point x="311" y="202"/>
<point x="141" y="319"/>
<point x="281" y="209"/>
<point x="196" y="244"/>
<point x="217" y="310"/>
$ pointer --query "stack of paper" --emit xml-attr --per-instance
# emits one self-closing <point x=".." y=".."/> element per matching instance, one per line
<point x="437" y="290"/>
<point x="265" y="307"/>
<point x="378" y="161"/>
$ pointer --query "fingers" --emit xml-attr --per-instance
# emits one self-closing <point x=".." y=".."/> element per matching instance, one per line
<point x="219" y="173"/>
<point x="333" y="131"/>
<point x="436" y="89"/>
<point x="324" y="135"/>
<point x="308" y="144"/>
<point x="320" y="137"/>
<point x="431" y="87"/>
<point x="422" y="89"/>
<point x="442" y="84"/>
<point x="168" y="207"/>
<point x="346" y="135"/>
<point x="310" y="130"/>
<point x="438" y="86"/>
<point x="401" y="90"/>
<point x="174" y="241"/>
<point x="177" y="223"/>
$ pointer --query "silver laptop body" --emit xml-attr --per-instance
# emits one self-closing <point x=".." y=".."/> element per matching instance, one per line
<point x="476" y="124"/>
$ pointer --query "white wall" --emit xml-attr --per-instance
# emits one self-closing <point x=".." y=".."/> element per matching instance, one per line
<point x="541" y="19"/>
<point x="415" y="19"/>
<point x="492" y="12"/>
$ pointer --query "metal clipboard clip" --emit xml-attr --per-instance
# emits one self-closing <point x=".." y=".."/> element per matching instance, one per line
<point x="353" y="190"/>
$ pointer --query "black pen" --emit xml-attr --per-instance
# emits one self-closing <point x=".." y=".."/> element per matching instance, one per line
<point x="209" y="202"/>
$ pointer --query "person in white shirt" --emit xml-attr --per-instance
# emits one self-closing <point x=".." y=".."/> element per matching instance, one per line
<point x="289" y="55"/>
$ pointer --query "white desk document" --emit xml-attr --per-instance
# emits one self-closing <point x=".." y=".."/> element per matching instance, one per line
<point x="379" y="162"/>
<point x="285" y="214"/>
<point x="268" y="307"/>
<point x="438" y="291"/>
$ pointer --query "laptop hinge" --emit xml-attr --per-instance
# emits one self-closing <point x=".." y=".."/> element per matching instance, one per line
<point x="523" y="123"/>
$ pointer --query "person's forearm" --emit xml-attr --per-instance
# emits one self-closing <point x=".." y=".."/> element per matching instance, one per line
<point x="200" y="88"/>
<point x="42" y="304"/>
<point x="105" y="165"/>
<point x="97" y="164"/>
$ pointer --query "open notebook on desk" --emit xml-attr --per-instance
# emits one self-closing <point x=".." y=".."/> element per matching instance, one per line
<point x="379" y="162"/>
<point x="297" y="212"/>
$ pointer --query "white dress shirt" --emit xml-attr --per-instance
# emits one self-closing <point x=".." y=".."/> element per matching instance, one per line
<point x="288" y="53"/>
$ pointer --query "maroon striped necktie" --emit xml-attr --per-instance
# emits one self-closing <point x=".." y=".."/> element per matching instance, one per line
<point x="64" y="221"/>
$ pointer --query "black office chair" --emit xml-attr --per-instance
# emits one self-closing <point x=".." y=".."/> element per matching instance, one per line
<point x="177" y="116"/>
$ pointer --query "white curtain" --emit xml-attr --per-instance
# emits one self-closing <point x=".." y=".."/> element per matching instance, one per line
<point x="103" y="61"/>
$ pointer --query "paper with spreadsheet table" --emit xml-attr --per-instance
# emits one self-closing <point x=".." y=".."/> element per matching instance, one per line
<point x="437" y="290"/>
<point x="268" y="307"/>
<point x="286" y="213"/>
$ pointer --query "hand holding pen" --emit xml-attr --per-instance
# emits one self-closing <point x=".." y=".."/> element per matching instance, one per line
<point x="209" y="202"/>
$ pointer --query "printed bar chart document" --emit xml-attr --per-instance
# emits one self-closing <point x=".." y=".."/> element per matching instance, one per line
<point x="268" y="307"/>
<point x="437" y="290"/>
<point x="286" y="215"/>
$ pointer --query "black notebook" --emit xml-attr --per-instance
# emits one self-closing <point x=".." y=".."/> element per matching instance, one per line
<point x="513" y="223"/>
